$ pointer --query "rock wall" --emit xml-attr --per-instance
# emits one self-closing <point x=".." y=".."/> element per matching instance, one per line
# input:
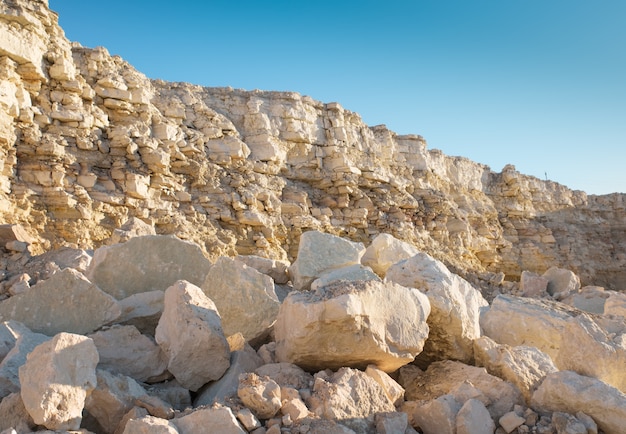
<point x="87" y="142"/>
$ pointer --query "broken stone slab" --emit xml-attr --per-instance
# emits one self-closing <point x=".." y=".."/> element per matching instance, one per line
<point x="455" y="307"/>
<point x="134" y="227"/>
<point x="26" y="341"/>
<point x="474" y="418"/>
<point x="437" y="416"/>
<point x="392" y="389"/>
<point x="574" y="340"/>
<point x="349" y="273"/>
<point x="57" y="377"/>
<point x="447" y="377"/>
<point x="10" y="331"/>
<point x="570" y="392"/>
<point x="591" y="299"/>
<point x="216" y="419"/>
<point x="325" y="329"/>
<point x="561" y="282"/>
<point x="147" y="263"/>
<point x="350" y="397"/>
<point x="386" y="250"/>
<point x="510" y="421"/>
<point x="292" y="405"/>
<point x="42" y="267"/>
<point x="14" y="232"/>
<point x="190" y="334"/>
<point x="90" y="307"/>
<point x="142" y="310"/>
<point x="533" y="285"/>
<point x="243" y="359"/>
<point x="13" y="414"/>
<point x="260" y="394"/>
<point x="244" y="297"/>
<point x="318" y="253"/>
<point x="124" y="350"/>
<point x="150" y="425"/>
<point x="274" y="268"/>
<point x="523" y="366"/>
<point x="113" y="396"/>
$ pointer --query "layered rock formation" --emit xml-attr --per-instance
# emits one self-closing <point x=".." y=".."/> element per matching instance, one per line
<point x="87" y="142"/>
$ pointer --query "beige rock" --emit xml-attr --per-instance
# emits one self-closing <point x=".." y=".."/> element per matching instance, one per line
<point x="215" y="420"/>
<point x="155" y="406"/>
<point x="510" y="421"/>
<point x="389" y="423"/>
<point x="171" y="392"/>
<point x="243" y="359"/>
<point x="325" y="329"/>
<point x="245" y="298"/>
<point x="523" y="366"/>
<point x="134" y="227"/>
<point x="57" y="377"/>
<point x="567" y="424"/>
<point x="318" y="253"/>
<point x="91" y="308"/>
<point x="248" y="419"/>
<point x="286" y="375"/>
<point x="570" y="392"/>
<point x="533" y="285"/>
<point x="437" y="416"/>
<point x="147" y="263"/>
<point x="13" y="414"/>
<point x="259" y="394"/>
<point x="591" y="299"/>
<point x="348" y="273"/>
<point x="150" y="425"/>
<point x="42" y="267"/>
<point x="142" y="310"/>
<point x="392" y="389"/>
<point x="615" y="304"/>
<point x="561" y="282"/>
<point x="276" y="269"/>
<point x="123" y="350"/>
<point x="474" y="418"/>
<point x="445" y="377"/>
<point x="292" y="405"/>
<point x="113" y="397"/>
<point x="455" y="307"/>
<point x="386" y="250"/>
<point x="25" y="342"/>
<point x="190" y="334"/>
<point x="349" y="396"/>
<point x="10" y="331"/>
<point x="133" y="413"/>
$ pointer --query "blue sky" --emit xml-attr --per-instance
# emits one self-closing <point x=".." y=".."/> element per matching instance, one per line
<point x="535" y="83"/>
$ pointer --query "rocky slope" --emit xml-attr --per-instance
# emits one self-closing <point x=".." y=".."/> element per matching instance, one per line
<point x="87" y="142"/>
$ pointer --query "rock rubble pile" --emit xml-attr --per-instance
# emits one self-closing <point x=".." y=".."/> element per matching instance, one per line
<point x="131" y="345"/>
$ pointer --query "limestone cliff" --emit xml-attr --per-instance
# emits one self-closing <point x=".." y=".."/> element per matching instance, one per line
<point x="86" y="142"/>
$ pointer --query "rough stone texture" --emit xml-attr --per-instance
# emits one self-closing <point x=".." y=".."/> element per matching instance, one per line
<point x="259" y="394"/>
<point x="26" y="341"/>
<point x="442" y="378"/>
<point x="567" y="424"/>
<point x="245" y="298"/>
<point x="243" y="359"/>
<point x="57" y="377"/>
<point x="349" y="273"/>
<point x="134" y="227"/>
<point x="616" y="304"/>
<point x="276" y="269"/>
<point x="386" y="250"/>
<point x="147" y="263"/>
<point x="561" y="282"/>
<point x="591" y="299"/>
<point x="10" y="331"/>
<point x="389" y="423"/>
<point x="190" y="334"/>
<point x="214" y="419"/>
<point x="326" y="329"/>
<point x="150" y="425"/>
<point x="113" y="397"/>
<point x="533" y="285"/>
<point x="286" y="375"/>
<point x="474" y="418"/>
<point x="392" y="389"/>
<point x="574" y="340"/>
<point x="13" y="414"/>
<point x="523" y="366"/>
<point x="90" y="307"/>
<point x="319" y="253"/>
<point x="455" y="307"/>
<point x="173" y="393"/>
<point x="437" y="416"/>
<point x="350" y="397"/>
<point x="570" y="392"/>
<point x="123" y="350"/>
<point x="510" y="421"/>
<point x="142" y="310"/>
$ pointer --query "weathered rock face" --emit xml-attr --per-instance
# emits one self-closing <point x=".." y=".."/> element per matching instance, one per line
<point x="352" y="324"/>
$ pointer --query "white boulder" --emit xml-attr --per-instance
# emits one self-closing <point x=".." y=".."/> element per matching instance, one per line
<point x="386" y="250"/>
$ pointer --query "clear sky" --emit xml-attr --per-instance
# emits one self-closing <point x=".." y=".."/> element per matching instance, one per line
<point x="540" y="84"/>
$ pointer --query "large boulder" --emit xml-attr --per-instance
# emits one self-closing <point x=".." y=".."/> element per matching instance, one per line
<point x="147" y="263"/>
<point x="122" y="349"/>
<point x="215" y="419"/>
<point x="352" y="324"/>
<point x="455" y="307"/>
<point x="574" y="340"/>
<point x="570" y="392"/>
<point x="318" y="253"/>
<point x="386" y="250"/>
<point x="350" y="397"/>
<point x="244" y="297"/>
<point x="66" y="302"/>
<point x="190" y="333"/>
<point x="57" y="377"/>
